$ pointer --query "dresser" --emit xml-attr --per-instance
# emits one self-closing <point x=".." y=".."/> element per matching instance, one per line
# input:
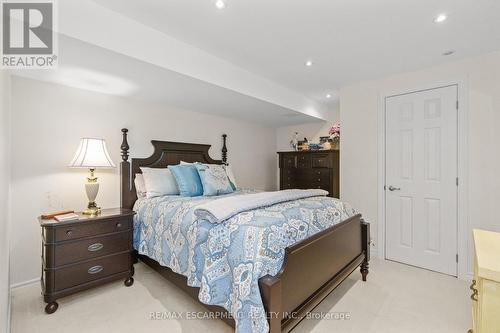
<point x="84" y="253"/>
<point x="485" y="287"/>
<point x="310" y="169"/>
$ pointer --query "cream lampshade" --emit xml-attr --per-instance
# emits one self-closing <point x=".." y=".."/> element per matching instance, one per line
<point x="92" y="154"/>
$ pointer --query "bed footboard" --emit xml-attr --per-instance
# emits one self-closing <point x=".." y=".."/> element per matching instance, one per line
<point x="312" y="269"/>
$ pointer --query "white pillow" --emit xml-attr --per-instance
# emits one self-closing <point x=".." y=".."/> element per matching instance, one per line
<point x="140" y="186"/>
<point x="159" y="182"/>
<point x="230" y="175"/>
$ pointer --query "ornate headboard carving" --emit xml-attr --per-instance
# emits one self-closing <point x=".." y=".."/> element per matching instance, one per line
<point x="165" y="153"/>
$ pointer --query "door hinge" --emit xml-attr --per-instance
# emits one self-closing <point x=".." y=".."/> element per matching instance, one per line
<point x="457" y="181"/>
<point x="457" y="105"/>
<point x="456" y="257"/>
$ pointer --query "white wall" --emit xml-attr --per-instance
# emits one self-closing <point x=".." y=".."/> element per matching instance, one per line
<point x="47" y="122"/>
<point x="359" y="106"/>
<point x="4" y="198"/>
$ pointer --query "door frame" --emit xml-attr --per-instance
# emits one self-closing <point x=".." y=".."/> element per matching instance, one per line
<point x="464" y="267"/>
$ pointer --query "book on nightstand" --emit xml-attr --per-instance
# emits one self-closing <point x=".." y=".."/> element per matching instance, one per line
<point x="66" y="217"/>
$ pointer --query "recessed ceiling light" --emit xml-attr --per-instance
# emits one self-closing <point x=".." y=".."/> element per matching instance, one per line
<point x="328" y="95"/>
<point x="309" y="63"/>
<point x="449" y="52"/>
<point x="440" y="18"/>
<point x="220" y="4"/>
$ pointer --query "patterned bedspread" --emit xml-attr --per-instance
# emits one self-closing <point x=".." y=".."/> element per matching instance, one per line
<point x="226" y="260"/>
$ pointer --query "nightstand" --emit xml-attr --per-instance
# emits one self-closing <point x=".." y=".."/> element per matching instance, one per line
<point x="84" y="253"/>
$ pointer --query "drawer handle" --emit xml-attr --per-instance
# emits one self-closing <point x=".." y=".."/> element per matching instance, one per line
<point x="319" y="179"/>
<point x="95" y="269"/>
<point x="118" y="225"/>
<point x="69" y="232"/>
<point x="95" y="247"/>
<point x="474" y="291"/>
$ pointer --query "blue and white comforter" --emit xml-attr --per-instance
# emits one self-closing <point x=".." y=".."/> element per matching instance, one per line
<point x="226" y="260"/>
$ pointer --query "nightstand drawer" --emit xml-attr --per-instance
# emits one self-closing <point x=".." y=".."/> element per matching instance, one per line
<point x="87" y="229"/>
<point x="72" y="252"/>
<point x="88" y="271"/>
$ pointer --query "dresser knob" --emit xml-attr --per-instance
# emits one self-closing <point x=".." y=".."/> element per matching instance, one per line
<point x="118" y="225"/>
<point x="69" y="232"/>
<point x="319" y="179"/>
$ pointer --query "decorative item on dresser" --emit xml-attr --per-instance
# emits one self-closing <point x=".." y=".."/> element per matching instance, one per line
<point x="485" y="285"/>
<point x="312" y="268"/>
<point x="310" y="169"/>
<point x="81" y="254"/>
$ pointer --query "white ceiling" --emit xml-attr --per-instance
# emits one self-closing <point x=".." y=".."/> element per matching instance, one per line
<point x="348" y="40"/>
<point x="86" y="66"/>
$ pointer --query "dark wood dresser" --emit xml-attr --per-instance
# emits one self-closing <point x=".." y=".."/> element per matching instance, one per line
<point x="310" y="169"/>
<point x="81" y="254"/>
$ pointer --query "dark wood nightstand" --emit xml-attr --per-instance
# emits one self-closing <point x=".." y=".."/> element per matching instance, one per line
<point x="84" y="253"/>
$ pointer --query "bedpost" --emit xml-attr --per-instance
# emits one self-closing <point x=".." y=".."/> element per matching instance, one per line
<point x="224" y="149"/>
<point x="125" y="171"/>
<point x="270" y="290"/>
<point x="365" y="243"/>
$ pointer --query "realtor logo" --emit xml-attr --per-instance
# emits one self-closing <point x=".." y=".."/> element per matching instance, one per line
<point x="28" y="38"/>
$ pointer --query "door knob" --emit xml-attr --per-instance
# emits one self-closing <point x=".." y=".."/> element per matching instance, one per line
<point x="392" y="188"/>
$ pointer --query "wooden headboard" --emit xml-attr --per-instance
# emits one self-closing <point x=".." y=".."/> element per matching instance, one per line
<point x="165" y="153"/>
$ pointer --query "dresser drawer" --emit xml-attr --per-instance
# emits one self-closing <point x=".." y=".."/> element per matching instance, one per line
<point x="323" y="186"/>
<point x="321" y="161"/>
<point x="288" y="161"/>
<point x="287" y="185"/>
<point x="321" y="172"/>
<point x="303" y="174"/>
<point x="88" y="271"/>
<point x="303" y="161"/>
<point x="64" y="233"/>
<point x="75" y="251"/>
<point x="325" y="179"/>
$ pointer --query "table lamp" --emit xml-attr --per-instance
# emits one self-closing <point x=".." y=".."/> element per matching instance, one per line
<point x="92" y="154"/>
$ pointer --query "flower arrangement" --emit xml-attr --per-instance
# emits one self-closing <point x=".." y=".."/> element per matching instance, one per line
<point x="335" y="132"/>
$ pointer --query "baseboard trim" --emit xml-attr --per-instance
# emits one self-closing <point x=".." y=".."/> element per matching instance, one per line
<point x="9" y="312"/>
<point x="24" y="283"/>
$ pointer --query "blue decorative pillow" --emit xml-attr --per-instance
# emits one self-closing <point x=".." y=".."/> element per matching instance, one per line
<point x="187" y="179"/>
<point x="214" y="179"/>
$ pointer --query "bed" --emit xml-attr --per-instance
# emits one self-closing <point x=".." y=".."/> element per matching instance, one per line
<point x="288" y="285"/>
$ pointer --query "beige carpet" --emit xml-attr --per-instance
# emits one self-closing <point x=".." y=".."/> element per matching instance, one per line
<point x="397" y="298"/>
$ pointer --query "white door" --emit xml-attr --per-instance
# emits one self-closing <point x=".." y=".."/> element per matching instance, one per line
<point x="421" y="179"/>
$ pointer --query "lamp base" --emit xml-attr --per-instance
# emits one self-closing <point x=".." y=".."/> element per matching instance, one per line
<point x="92" y="209"/>
<point x="92" y="188"/>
